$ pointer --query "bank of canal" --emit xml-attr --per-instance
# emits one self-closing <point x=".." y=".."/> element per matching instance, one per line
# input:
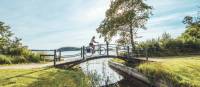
<point x="104" y="75"/>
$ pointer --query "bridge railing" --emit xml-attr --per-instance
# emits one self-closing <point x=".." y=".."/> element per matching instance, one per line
<point x="49" y="53"/>
<point x="110" y="50"/>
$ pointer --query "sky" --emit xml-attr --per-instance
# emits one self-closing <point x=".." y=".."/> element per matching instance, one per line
<point x="51" y="24"/>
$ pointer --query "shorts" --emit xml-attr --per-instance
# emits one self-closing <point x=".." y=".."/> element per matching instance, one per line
<point x="91" y="44"/>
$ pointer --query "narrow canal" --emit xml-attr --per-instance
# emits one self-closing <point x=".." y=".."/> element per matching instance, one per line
<point x="105" y="76"/>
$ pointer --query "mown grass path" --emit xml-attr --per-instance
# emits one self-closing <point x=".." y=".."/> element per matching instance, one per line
<point x="43" y="77"/>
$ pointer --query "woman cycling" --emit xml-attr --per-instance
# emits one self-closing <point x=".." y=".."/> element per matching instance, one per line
<point x="92" y="44"/>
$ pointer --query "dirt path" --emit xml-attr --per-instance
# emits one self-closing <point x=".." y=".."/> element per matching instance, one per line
<point x="34" y="65"/>
<point x="26" y="66"/>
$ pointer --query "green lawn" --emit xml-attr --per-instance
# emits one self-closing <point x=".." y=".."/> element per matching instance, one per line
<point x="46" y="77"/>
<point x="176" y="71"/>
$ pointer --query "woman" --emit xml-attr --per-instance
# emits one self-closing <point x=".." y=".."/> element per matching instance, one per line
<point x="92" y="44"/>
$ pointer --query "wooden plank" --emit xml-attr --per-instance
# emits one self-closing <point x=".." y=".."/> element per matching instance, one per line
<point x="41" y="50"/>
<point x="46" y="55"/>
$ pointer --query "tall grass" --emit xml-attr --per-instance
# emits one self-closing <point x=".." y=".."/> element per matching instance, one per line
<point x="5" y="59"/>
<point x="27" y="57"/>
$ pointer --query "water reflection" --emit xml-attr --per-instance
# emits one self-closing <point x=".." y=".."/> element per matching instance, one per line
<point x="106" y="76"/>
<point x="102" y="71"/>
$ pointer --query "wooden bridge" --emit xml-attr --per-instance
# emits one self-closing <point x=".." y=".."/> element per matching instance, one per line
<point x="86" y="54"/>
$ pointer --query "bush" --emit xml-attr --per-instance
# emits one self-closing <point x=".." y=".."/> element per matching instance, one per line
<point x="5" y="59"/>
<point x="33" y="57"/>
<point x="19" y="59"/>
<point x="123" y="53"/>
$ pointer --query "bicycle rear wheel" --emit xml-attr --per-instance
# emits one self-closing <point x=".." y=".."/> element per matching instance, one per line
<point x="88" y="51"/>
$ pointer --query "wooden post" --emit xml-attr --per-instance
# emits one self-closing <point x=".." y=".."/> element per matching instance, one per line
<point x="117" y="51"/>
<point x="99" y="49"/>
<point x="60" y="55"/>
<point x="54" y="58"/>
<point x="128" y="52"/>
<point x="107" y="44"/>
<point x="83" y="52"/>
<point x="146" y="53"/>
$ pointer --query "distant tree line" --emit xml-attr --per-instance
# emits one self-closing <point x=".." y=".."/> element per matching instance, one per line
<point x="187" y="43"/>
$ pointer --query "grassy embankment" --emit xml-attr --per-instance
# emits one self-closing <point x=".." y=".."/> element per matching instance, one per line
<point x="175" y="71"/>
<point x="25" y="57"/>
<point x="46" y="77"/>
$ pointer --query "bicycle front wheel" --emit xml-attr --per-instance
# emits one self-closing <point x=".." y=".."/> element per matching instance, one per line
<point x="102" y="51"/>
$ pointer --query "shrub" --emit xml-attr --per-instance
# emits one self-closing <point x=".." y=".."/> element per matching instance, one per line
<point x="33" y="57"/>
<point x="5" y="59"/>
<point x="19" y="59"/>
<point x="123" y="53"/>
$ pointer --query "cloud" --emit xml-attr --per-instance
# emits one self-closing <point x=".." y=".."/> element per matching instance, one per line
<point x="52" y="24"/>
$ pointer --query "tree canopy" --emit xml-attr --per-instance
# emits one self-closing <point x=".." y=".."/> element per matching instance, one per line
<point x="192" y="34"/>
<point x="124" y="18"/>
<point x="8" y="44"/>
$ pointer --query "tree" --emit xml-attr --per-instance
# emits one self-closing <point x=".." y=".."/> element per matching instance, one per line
<point x="5" y="35"/>
<point x="192" y="34"/>
<point x="124" y="18"/>
<point x="7" y="44"/>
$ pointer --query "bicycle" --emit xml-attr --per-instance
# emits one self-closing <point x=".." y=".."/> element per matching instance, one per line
<point x="98" y="48"/>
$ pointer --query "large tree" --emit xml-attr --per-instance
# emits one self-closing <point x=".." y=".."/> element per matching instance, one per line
<point x="8" y="44"/>
<point x="124" y="18"/>
<point x="5" y="35"/>
<point x="192" y="33"/>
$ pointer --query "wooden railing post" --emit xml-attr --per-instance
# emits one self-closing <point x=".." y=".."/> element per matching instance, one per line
<point x="128" y="52"/>
<point x="99" y="49"/>
<point x="54" y="58"/>
<point x="60" y="55"/>
<point x="107" y="45"/>
<point x="117" y="51"/>
<point x="83" y="52"/>
<point x="146" y="53"/>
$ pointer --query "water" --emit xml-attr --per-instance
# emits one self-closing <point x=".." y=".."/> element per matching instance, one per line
<point x="103" y="74"/>
<point x="70" y="52"/>
<point x="99" y="69"/>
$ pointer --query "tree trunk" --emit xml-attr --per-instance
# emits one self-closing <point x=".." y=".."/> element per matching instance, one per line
<point x="132" y="40"/>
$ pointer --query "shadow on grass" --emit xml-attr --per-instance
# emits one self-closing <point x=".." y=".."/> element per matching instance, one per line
<point x="63" y="75"/>
<point x="24" y="74"/>
<point x="61" y="78"/>
<point x="8" y="80"/>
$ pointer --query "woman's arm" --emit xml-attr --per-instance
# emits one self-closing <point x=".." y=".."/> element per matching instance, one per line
<point x="95" y="41"/>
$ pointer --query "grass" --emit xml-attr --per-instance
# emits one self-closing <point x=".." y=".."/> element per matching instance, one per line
<point x="118" y="60"/>
<point x="45" y="77"/>
<point x="174" y="71"/>
<point x="32" y="58"/>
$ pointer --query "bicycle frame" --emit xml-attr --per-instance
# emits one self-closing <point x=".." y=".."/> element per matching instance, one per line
<point x="98" y="48"/>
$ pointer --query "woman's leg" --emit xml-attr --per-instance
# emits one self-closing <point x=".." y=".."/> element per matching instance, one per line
<point x="93" y="49"/>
